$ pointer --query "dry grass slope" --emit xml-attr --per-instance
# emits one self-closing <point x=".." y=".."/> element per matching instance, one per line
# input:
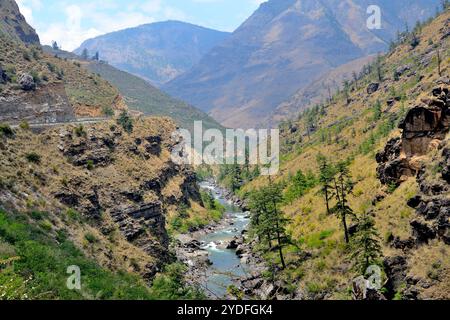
<point x="350" y="131"/>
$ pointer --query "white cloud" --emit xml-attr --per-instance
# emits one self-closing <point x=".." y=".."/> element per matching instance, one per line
<point x="71" y="33"/>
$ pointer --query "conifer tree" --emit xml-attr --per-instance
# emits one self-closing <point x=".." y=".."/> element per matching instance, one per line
<point x="439" y="61"/>
<point x="346" y="89"/>
<point x="366" y="248"/>
<point x="343" y="187"/>
<point x="236" y="181"/>
<point x="275" y="219"/>
<point x="325" y="179"/>
<point x="268" y="221"/>
<point x="379" y="69"/>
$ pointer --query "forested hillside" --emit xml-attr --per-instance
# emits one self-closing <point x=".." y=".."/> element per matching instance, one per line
<point x="364" y="180"/>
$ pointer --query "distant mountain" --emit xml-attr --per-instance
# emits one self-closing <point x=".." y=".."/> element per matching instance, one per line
<point x="13" y="24"/>
<point x="141" y="96"/>
<point x="285" y="46"/>
<point x="157" y="52"/>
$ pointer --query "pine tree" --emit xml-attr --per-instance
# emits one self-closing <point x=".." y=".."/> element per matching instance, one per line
<point x="125" y="121"/>
<point x="55" y="45"/>
<point x="379" y="69"/>
<point x="268" y="221"/>
<point x="439" y="61"/>
<point x="355" y="78"/>
<point x="366" y="248"/>
<point x="275" y="218"/>
<point x="343" y="187"/>
<point x="377" y="111"/>
<point x="236" y="180"/>
<point x="346" y="89"/>
<point x="325" y="178"/>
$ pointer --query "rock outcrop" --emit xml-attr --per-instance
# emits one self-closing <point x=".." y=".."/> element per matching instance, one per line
<point x="26" y="82"/>
<point x="424" y="128"/>
<point x="422" y="152"/>
<point x="120" y="184"/>
<point x="373" y="87"/>
<point x="13" y="23"/>
<point x="46" y="104"/>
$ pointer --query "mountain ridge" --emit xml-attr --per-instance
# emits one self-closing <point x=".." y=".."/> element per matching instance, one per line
<point x="281" y="48"/>
<point x="157" y="52"/>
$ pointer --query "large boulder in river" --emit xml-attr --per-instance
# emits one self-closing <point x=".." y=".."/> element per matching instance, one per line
<point x="233" y="244"/>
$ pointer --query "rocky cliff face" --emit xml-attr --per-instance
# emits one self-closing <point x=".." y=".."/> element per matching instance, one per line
<point x="422" y="151"/>
<point x="120" y="185"/>
<point x="424" y="129"/>
<point x="13" y="24"/>
<point x="45" y="105"/>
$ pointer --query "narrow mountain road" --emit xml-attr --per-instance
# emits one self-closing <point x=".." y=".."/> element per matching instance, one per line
<point x="44" y="125"/>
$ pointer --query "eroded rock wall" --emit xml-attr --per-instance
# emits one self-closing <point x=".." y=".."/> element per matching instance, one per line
<point x="47" y="104"/>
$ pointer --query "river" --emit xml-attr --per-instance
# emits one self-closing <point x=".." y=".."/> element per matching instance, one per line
<point x="226" y="268"/>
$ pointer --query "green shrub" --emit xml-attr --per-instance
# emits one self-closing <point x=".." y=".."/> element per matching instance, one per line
<point x="108" y="111"/>
<point x="392" y="187"/>
<point x="26" y="55"/>
<point x="33" y="157"/>
<point x="11" y="73"/>
<point x="73" y="214"/>
<point x="91" y="238"/>
<point x="36" y="77"/>
<point x="6" y="130"/>
<point x="125" y="121"/>
<point x="38" y="215"/>
<point x="170" y="285"/>
<point x="51" y="67"/>
<point x="24" y="125"/>
<point x="35" y="53"/>
<point x="79" y="131"/>
<point x="90" y="165"/>
<point x="46" y="225"/>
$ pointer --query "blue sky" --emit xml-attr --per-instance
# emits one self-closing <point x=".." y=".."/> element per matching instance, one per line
<point x="70" y="22"/>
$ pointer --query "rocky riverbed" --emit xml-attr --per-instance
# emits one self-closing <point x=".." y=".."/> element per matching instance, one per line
<point x="221" y="255"/>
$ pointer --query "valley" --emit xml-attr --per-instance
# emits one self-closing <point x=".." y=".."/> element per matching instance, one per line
<point x="89" y="177"/>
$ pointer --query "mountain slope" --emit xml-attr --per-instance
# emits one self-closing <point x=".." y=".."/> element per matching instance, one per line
<point x="41" y="88"/>
<point x="95" y="196"/>
<point x="157" y="52"/>
<point x="13" y="24"/>
<point x="141" y="96"/>
<point x="316" y="92"/>
<point x="283" y="47"/>
<point x="394" y="135"/>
